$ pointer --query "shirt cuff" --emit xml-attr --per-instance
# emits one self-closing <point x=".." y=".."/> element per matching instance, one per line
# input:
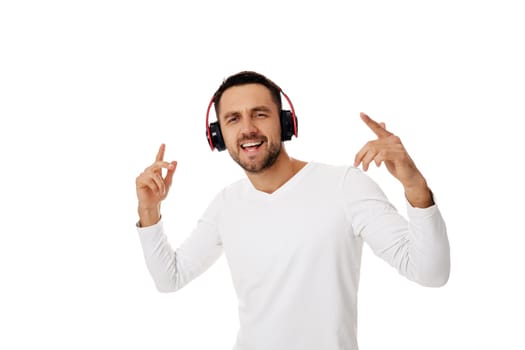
<point x="153" y="227"/>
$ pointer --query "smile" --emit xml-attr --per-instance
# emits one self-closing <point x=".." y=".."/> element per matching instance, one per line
<point x="251" y="145"/>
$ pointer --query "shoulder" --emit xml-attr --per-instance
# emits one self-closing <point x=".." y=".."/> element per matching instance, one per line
<point x="357" y="184"/>
<point x="338" y="173"/>
<point x="347" y="178"/>
<point x="329" y="170"/>
<point x="233" y="190"/>
<point x="223" y="198"/>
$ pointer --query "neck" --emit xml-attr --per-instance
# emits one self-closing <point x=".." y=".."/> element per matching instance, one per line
<point x="284" y="168"/>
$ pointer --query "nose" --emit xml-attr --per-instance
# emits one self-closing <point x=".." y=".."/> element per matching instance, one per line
<point x="248" y="126"/>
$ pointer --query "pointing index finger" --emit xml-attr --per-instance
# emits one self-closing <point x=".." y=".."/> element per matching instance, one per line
<point x="160" y="153"/>
<point x="377" y="128"/>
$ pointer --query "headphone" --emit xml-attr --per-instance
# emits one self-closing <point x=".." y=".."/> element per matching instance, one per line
<point x="288" y="126"/>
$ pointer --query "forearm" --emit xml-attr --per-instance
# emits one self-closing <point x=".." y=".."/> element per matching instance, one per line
<point x="173" y="269"/>
<point x="417" y="248"/>
<point x="428" y="250"/>
<point x="160" y="257"/>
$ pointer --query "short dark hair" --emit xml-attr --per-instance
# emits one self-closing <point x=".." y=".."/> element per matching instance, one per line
<point x="248" y="77"/>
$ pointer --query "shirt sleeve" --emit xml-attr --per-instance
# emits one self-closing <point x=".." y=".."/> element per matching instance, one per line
<point x="173" y="269"/>
<point x="418" y="247"/>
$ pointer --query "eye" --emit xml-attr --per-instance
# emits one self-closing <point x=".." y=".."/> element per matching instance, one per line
<point x="232" y="119"/>
<point x="261" y="115"/>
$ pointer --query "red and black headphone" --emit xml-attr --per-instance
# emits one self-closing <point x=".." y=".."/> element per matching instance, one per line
<point x="288" y="126"/>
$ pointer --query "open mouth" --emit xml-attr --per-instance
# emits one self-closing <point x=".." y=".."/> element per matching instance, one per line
<point x="251" y="146"/>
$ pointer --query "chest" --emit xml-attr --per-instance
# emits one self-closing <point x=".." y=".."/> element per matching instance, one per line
<point x="261" y="236"/>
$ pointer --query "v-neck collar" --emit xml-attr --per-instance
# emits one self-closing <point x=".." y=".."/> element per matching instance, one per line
<point x="284" y="187"/>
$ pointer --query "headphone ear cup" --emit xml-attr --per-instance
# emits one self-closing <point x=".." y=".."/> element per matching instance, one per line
<point x="215" y="137"/>
<point x="287" y="125"/>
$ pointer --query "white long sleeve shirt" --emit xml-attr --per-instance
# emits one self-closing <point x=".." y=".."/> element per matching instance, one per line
<point x="295" y="254"/>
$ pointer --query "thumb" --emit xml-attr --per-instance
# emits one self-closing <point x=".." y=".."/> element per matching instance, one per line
<point x="169" y="175"/>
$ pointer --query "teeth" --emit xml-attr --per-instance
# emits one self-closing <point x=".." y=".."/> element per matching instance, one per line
<point x="251" y="144"/>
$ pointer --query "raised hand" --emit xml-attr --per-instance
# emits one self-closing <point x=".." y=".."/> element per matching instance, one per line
<point x="152" y="188"/>
<point x="389" y="150"/>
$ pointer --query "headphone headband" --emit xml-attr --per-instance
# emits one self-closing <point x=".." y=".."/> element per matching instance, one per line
<point x="208" y="132"/>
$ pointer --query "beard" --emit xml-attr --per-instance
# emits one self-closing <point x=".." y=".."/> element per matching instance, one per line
<point x="269" y="159"/>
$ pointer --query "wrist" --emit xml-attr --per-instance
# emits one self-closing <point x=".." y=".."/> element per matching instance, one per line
<point x="148" y="215"/>
<point x="419" y="196"/>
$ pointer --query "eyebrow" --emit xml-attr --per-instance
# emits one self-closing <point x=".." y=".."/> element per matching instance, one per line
<point x="261" y="108"/>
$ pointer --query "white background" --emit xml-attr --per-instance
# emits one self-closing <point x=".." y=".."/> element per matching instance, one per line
<point x="89" y="90"/>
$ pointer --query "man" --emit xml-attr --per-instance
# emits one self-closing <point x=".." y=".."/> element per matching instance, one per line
<point x="293" y="232"/>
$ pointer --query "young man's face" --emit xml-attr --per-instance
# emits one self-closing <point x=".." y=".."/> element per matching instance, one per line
<point x="250" y="126"/>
